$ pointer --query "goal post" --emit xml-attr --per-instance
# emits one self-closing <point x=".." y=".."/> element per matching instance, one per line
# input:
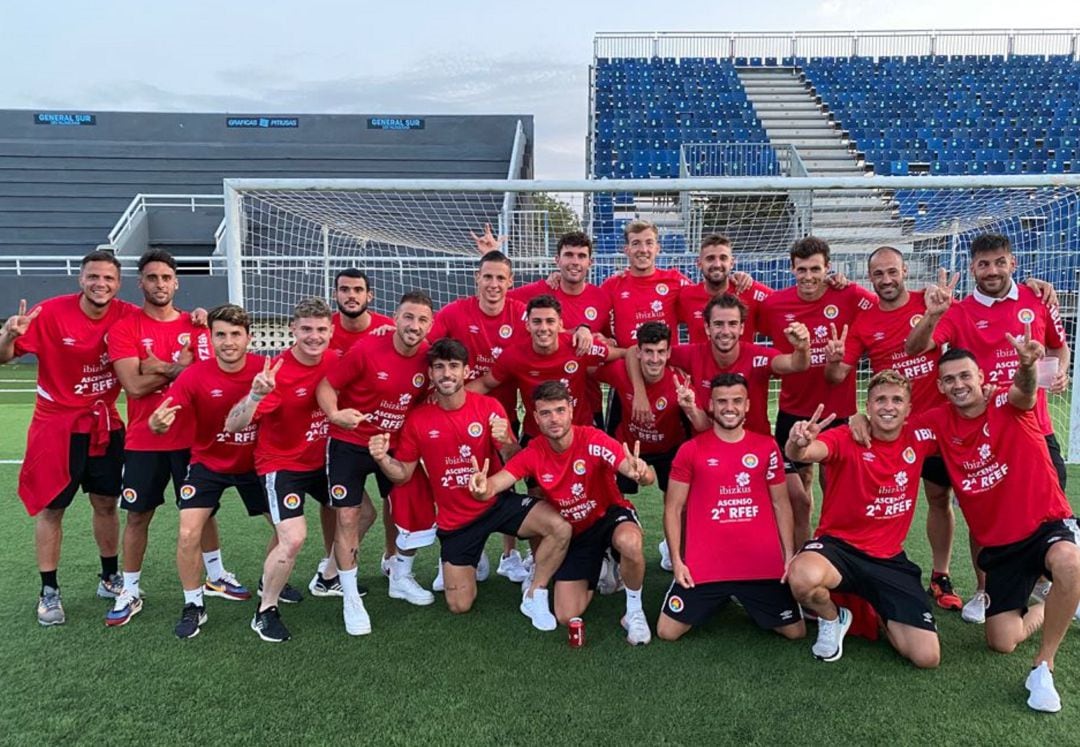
<point x="285" y="239"/>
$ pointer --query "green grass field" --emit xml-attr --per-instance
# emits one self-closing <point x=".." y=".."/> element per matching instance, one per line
<point x="424" y="676"/>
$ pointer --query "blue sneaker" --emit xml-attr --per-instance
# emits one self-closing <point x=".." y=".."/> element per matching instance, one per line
<point x="126" y="606"/>
<point x="226" y="587"/>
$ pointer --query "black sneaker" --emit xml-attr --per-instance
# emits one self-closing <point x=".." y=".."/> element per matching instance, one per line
<point x="191" y="619"/>
<point x="321" y="586"/>
<point x="267" y="623"/>
<point x="289" y="594"/>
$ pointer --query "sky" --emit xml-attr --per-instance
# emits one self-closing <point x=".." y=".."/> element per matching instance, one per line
<point x="462" y="57"/>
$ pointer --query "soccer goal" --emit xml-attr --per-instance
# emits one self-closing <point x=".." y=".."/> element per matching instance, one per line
<point x="285" y="239"/>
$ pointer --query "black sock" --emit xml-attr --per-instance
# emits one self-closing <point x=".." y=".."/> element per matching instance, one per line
<point x="48" y="578"/>
<point x="109" y="566"/>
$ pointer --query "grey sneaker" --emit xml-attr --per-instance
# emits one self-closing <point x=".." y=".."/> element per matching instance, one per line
<point x="830" y="637"/>
<point x="110" y="588"/>
<point x="49" y="609"/>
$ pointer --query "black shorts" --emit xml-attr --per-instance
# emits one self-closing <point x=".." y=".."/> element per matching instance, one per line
<point x="530" y="481"/>
<point x="202" y="488"/>
<point x="1054" y="448"/>
<point x="933" y="470"/>
<point x="585" y="556"/>
<point x="100" y="475"/>
<point x="1012" y="570"/>
<point x="784" y="421"/>
<point x="892" y="586"/>
<point x="464" y="545"/>
<point x="146" y="473"/>
<point x="614" y="413"/>
<point x="769" y="603"/>
<point x="347" y="468"/>
<point x="659" y="462"/>
<point x="285" y="491"/>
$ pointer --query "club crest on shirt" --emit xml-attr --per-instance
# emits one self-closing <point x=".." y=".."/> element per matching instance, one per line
<point x="570" y="367"/>
<point x="915" y="319"/>
<point x="590" y="313"/>
<point x="749" y="461"/>
<point x="505" y="331"/>
<point x="661" y="403"/>
<point x="831" y="312"/>
<point x="1026" y="316"/>
<point x="661" y="289"/>
<point x="909" y="455"/>
<point x="183" y="338"/>
<point x="986" y="430"/>
<point x="418" y="380"/>
<point x="291" y="501"/>
<point x="475" y="429"/>
<point x="579" y="466"/>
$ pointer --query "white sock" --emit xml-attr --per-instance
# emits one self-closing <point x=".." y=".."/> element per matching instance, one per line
<point x="633" y="600"/>
<point x="131" y="582"/>
<point x="194" y="596"/>
<point x="401" y="565"/>
<point x="322" y="564"/>
<point x="348" y="584"/>
<point x="214" y="568"/>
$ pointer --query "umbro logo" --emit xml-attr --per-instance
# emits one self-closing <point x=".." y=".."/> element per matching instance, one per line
<point x="69" y="341"/>
<point x="301" y="392"/>
<point x="473" y="329"/>
<point x="624" y="295"/>
<point x="787" y="614"/>
<point x="433" y="435"/>
<point x="216" y="393"/>
<point x="382" y="376"/>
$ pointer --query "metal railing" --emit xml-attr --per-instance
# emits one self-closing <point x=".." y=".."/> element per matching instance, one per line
<point x="67" y="264"/>
<point x="778" y="45"/>
<point x="740" y="159"/>
<point x="140" y="203"/>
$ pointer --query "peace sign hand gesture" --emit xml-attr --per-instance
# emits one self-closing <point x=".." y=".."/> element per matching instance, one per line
<point x="16" y="325"/>
<point x="834" y="348"/>
<point x="684" y="391"/>
<point x="639" y="470"/>
<point x="1027" y="350"/>
<point x="804" y="432"/>
<point x="940" y="296"/>
<point x="478" y="482"/>
<point x="265" y="381"/>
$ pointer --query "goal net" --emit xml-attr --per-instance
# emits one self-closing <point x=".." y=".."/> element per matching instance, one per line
<point x="286" y="239"/>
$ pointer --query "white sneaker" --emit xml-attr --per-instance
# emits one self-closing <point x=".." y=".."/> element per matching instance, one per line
<point x="357" y="621"/>
<point x="483" y="568"/>
<point x="665" y="557"/>
<point x="385" y="566"/>
<point x="975" y="610"/>
<point x="536" y="609"/>
<point x="406" y="587"/>
<point x="637" y="628"/>
<point x="1040" y="683"/>
<point x="1042" y="590"/>
<point x="512" y="567"/>
<point x="830" y="636"/>
<point x="606" y="583"/>
<point x="529" y="562"/>
<point x="438" y="585"/>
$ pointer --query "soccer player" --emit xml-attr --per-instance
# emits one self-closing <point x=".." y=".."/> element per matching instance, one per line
<point x="549" y="354"/>
<point x="575" y="466"/>
<point x="452" y="436"/>
<point x="367" y="393"/>
<point x="817" y="304"/>
<point x="205" y="392"/>
<point x="353" y="320"/>
<point x="727" y="487"/>
<point x="74" y="415"/>
<point x="716" y="262"/>
<point x="148" y="351"/>
<point x="977" y="323"/>
<point x="997" y="457"/>
<point x="290" y="452"/>
<point x="866" y="513"/>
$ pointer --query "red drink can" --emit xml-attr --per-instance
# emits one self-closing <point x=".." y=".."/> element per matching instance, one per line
<point x="577" y="632"/>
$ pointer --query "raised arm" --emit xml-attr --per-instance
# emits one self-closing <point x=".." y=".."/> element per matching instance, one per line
<point x="398" y="472"/>
<point x="802" y="444"/>
<point x="799" y="359"/>
<point x="1023" y="394"/>
<point x="15" y="327"/>
<point x="938" y="300"/>
<point x="242" y="413"/>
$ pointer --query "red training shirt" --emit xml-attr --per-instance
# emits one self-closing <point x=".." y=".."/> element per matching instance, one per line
<point x="292" y="426"/>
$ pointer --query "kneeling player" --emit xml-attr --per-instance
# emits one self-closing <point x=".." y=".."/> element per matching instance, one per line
<point x="575" y="467"/>
<point x="451" y="436"/>
<point x="740" y="533"/>
<point x="205" y="392"/>
<point x="865" y="515"/>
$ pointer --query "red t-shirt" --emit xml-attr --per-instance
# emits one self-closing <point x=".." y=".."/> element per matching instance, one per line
<point x="292" y="427"/>
<point x="694" y="298"/>
<point x="754" y="362"/>
<point x="74" y="370"/>
<point x="1000" y="469"/>
<point x="526" y="369"/>
<point x="206" y="394"/>
<point x="801" y="393"/>
<point x="591" y="307"/>
<point x="638" y="299"/>
<point x="731" y="532"/>
<point x="881" y="335"/>
<point x="669" y="426"/>
<point x="343" y="339"/>
<point x="446" y="441"/>
<point x="486" y="337"/>
<point x="981" y="330"/>
<point x="870" y="492"/>
<point x="128" y="339"/>
<point x="375" y="379"/>
<point x="580" y="481"/>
